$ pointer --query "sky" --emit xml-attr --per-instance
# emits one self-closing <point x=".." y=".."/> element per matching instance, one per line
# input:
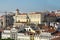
<point x="29" y="5"/>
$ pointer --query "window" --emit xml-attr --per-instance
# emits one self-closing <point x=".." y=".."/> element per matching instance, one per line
<point x="29" y="30"/>
<point x="13" y="36"/>
<point x="18" y="21"/>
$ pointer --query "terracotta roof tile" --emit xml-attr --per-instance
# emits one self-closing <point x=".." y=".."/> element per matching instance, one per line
<point x="56" y="33"/>
<point x="58" y="38"/>
<point x="51" y="14"/>
<point x="48" y="29"/>
<point x="57" y="14"/>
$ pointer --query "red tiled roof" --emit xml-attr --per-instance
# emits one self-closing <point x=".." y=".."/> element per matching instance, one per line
<point x="36" y="13"/>
<point x="48" y="29"/>
<point x="1" y="30"/>
<point x="56" y="34"/>
<point x="58" y="38"/>
<point x="1" y="16"/>
<point x="51" y="14"/>
<point x="57" y="14"/>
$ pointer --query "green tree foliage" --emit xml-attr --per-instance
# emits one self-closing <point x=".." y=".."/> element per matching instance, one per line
<point x="7" y="39"/>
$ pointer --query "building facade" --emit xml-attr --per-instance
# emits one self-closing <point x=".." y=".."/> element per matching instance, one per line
<point x="26" y="18"/>
<point x="13" y="34"/>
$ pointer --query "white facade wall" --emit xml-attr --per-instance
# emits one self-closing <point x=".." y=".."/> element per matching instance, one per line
<point x="5" y="36"/>
<point x="44" y="39"/>
<point x="22" y="36"/>
<point x="36" y="38"/>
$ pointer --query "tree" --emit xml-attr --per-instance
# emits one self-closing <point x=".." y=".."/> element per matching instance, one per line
<point x="7" y="39"/>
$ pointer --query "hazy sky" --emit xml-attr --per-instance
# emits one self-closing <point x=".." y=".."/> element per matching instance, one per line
<point x="29" y="5"/>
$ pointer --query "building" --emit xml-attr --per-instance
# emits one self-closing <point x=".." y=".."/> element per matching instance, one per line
<point x="26" y="18"/>
<point x="5" y="34"/>
<point x="13" y="34"/>
<point x="45" y="36"/>
<point x="36" y="17"/>
<point x="50" y="18"/>
<point x="21" y="36"/>
<point x="6" y="20"/>
<point x="18" y="19"/>
<point x="1" y="21"/>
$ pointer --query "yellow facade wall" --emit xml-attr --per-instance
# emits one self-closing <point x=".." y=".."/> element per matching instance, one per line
<point x="34" y="18"/>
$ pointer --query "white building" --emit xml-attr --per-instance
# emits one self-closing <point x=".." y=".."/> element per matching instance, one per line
<point x="28" y="28"/>
<point x="13" y="33"/>
<point x="45" y="36"/>
<point x="5" y="34"/>
<point x="19" y="36"/>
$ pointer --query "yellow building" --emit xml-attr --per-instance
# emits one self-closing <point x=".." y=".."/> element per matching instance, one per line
<point x="20" y="18"/>
<point x="36" y="18"/>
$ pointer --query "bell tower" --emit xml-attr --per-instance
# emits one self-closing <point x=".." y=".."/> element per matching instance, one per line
<point x="16" y="14"/>
<point x="17" y="11"/>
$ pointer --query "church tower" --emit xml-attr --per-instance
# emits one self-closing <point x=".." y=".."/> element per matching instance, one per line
<point x="17" y="12"/>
